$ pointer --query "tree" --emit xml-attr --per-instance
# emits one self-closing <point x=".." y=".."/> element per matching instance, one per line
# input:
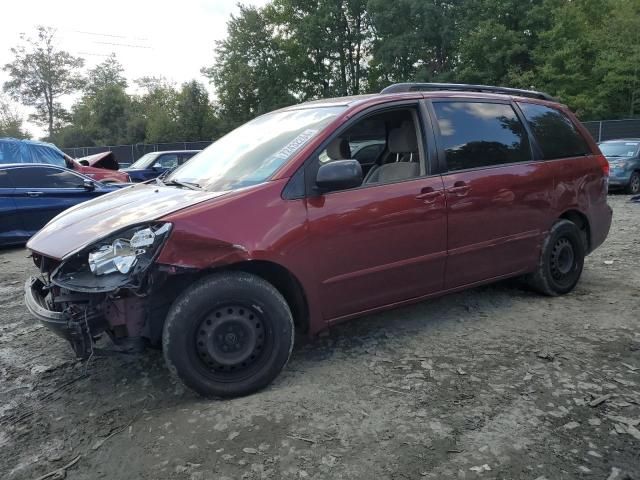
<point x="195" y="115"/>
<point x="41" y="74"/>
<point x="326" y="43"/>
<point x="414" y="40"/>
<point x="106" y="74"/>
<point x="251" y="72"/>
<point x="618" y="61"/>
<point x="499" y="40"/>
<point x="103" y="115"/>
<point x="158" y="107"/>
<point x="566" y="55"/>
<point x="10" y="121"/>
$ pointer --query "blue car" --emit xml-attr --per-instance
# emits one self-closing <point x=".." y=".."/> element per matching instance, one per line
<point x="154" y="164"/>
<point x="623" y="156"/>
<point x="32" y="194"/>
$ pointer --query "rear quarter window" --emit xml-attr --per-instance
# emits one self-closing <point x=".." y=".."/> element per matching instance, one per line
<point x="555" y="133"/>
<point x="480" y="134"/>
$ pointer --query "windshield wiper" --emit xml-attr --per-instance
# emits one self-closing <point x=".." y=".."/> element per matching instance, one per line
<point x="178" y="183"/>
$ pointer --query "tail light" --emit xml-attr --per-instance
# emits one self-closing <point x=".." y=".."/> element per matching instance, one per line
<point x="604" y="164"/>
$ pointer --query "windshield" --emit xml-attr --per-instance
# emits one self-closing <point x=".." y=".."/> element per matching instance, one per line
<point x="145" y="160"/>
<point x="619" y="149"/>
<point x="251" y="153"/>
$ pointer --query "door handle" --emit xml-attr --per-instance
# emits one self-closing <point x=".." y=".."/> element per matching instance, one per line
<point x="460" y="189"/>
<point x="34" y="194"/>
<point x="428" y="195"/>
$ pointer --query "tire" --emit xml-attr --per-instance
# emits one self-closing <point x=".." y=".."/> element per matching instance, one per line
<point x="634" y="184"/>
<point x="228" y="335"/>
<point x="561" y="260"/>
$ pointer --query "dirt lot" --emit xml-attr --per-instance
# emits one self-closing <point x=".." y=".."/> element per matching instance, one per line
<point x="496" y="382"/>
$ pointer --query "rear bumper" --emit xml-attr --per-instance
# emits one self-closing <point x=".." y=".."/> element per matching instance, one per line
<point x="619" y="181"/>
<point x="600" y="222"/>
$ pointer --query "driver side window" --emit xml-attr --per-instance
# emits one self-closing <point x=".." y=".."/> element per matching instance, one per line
<point x="385" y="144"/>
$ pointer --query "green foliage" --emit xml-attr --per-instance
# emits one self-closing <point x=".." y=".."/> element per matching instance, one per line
<point x="10" y="121"/>
<point x="584" y="52"/>
<point x="252" y="74"/>
<point x="40" y="74"/>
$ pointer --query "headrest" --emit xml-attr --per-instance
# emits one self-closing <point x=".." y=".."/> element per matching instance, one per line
<point x="403" y="139"/>
<point x="339" y="149"/>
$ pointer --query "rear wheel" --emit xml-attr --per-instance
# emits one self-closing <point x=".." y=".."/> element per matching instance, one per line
<point x="634" y="184"/>
<point x="561" y="261"/>
<point x="228" y="335"/>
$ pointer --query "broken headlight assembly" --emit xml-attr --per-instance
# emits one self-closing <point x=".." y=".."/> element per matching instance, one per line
<point x="122" y="254"/>
<point x="112" y="262"/>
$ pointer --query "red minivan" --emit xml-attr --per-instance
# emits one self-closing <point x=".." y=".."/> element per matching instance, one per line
<point x="320" y="212"/>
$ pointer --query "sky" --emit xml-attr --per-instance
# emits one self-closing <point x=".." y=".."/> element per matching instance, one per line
<point x="174" y="39"/>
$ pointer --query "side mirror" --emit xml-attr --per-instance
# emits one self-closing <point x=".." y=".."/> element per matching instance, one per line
<point x="84" y="163"/>
<point x="339" y="175"/>
<point x="89" y="185"/>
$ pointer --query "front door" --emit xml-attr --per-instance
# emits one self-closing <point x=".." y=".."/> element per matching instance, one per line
<point x="385" y="241"/>
<point x="42" y="192"/>
<point x="497" y="195"/>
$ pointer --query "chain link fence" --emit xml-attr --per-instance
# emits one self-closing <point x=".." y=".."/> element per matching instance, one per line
<point x="127" y="154"/>
<point x="612" y="129"/>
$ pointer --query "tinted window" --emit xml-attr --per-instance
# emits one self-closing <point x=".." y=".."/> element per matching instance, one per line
<point x="368" y="154"/>
<point x="475" y="134"/>
<point x="555" y="133"/>
<point x="43" y="177"/>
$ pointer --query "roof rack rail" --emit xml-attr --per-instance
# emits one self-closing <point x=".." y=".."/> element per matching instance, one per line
<point x="462" y="87"/>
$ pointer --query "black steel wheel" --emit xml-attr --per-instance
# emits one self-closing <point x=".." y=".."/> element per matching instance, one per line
<point x="231" y="340"/>
<point x="561" y="260"/>
<point x="228" y="335"/>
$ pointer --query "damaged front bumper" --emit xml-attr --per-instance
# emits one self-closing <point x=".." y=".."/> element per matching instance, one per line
<point x="35" y="300"/>
<point x="76" y="330"/>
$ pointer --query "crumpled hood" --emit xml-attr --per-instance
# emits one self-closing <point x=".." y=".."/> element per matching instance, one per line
<point x="90" y="221"/>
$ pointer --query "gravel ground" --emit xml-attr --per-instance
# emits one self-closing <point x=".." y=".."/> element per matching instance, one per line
<point x="495" y="382"/>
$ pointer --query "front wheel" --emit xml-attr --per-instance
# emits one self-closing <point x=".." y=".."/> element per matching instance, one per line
<point x="228" y="335"/>
<point x="561" y="260"/>
<point x="634" y="184"/>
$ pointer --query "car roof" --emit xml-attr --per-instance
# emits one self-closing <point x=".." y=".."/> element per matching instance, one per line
<point x="356" y="100"/>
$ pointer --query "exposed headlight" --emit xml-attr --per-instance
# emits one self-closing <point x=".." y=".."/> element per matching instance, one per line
<point x="122" y="254"/>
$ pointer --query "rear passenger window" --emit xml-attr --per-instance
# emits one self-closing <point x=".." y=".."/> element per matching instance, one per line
<point x="555" y="132"/>
<point x="478" y="134"/>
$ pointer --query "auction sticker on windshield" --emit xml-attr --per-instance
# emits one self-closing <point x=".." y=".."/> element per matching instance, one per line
<point x="294" y="145"/>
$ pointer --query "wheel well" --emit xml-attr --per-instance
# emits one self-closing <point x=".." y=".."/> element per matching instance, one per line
<point x="286" y="283"/>
<point x="583" y="224"/>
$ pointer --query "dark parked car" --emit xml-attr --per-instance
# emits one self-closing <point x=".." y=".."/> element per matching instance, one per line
<point x="624" y="162"/>
<point x="154" y="164"/>
<point x="104" y="168"/>
<point x="32" y="194"/>
<point x="275" y="227"/>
